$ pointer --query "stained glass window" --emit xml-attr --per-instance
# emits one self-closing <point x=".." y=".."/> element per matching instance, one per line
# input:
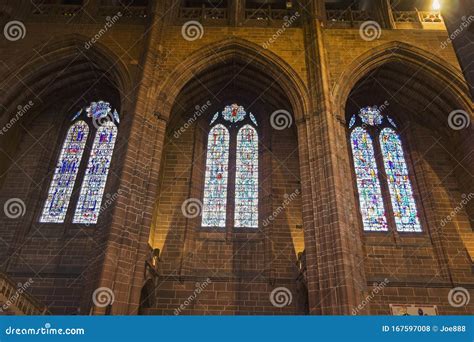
<point x="401" y="194"/>
<point x="214" y="118"/>
<point x="92" y="189"/>
<point x="368" y="185"/>
<point x="234" y="113"/>
<point x="61" y="187"/>
<point x="371" y="116"/>
<point x="215" y="190"/>
<point x="352" y="121"/>
<point x="252" y="117"/>
<point x="391" y="121"/>
<point x="99" y="110"/>
<point x="246" y="178"/>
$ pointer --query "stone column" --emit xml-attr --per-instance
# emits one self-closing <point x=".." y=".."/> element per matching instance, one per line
<point x="126" y="241"/>
<point x="335" y="270"/>
<point x="236" y="11"/>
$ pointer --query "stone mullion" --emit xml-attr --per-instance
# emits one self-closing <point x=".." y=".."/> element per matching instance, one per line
<point x="126" y="250"/>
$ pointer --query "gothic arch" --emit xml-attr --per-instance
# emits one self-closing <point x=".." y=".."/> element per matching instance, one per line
<point x="434" y="67"/>
<point x="235" y="49"/>
<point x="62" y="61"/>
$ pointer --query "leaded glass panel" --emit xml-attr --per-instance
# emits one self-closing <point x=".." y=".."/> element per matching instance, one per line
<point x="401" y="193"/>
<point x="368" y="185"/>
<point x="215" y="189"/>
<point x="246" y="178"/>
<point x="92" y="190"/>
<point x="62" y="185"/>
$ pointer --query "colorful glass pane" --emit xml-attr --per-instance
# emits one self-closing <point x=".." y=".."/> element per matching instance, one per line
<point x="368" y="185"/>
<point x="215" y="190"/>
<point x="92" y="190"/>
<point x="352" y="121"/>
<point x="252" y="117"/>
<point x="370" y="116"/>
<point x="77" y="115"/>
<point x="234" y="113"/>
<point x="391" y="121"/>
<point x="60" y="189"/>
<point x="98" y="110"/>
<point x="116" y="116"/>
<point x="246" y="178"/>
<point x="214" y="118"/>
<point x="401" y="193"/>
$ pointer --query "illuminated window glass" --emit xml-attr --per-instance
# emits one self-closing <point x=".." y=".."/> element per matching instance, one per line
<point x="93" y="185"/>
<point x="61" y="187"/>
<point x="234" y="113"/>
<point x="215" y="190"/>
<point x="352" y="121"/>
<point x="368" y="185"/>
<point x="371" y="116"/>
<point x="246" y="178"/>
<point x="401" y="194"/>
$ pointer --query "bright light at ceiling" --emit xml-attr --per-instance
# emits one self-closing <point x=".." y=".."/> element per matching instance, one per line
<point x="436" y="5"/>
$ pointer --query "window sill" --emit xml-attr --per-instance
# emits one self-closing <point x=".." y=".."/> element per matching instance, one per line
<point x="224" y="234"/>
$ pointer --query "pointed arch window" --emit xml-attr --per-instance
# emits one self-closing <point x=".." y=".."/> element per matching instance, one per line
<point x="379" y="166"/>
<point x="65" y="173"/>
<point x="93" y="185"/>
<point x="368" y="185"/>
<point x="215" y="190"/>
<point x="233" y="133"/>
<point x="401" y="193"/>
<point x="102" y="122"/>
<point x="246" y="178"/>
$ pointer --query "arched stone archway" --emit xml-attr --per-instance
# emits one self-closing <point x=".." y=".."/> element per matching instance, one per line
<point x="230" y="71"/>
<point x="226" y="51"/>
<point x="50" y="86"/>
<point x="420" y="91"/>
<point x="432" y="66"/>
